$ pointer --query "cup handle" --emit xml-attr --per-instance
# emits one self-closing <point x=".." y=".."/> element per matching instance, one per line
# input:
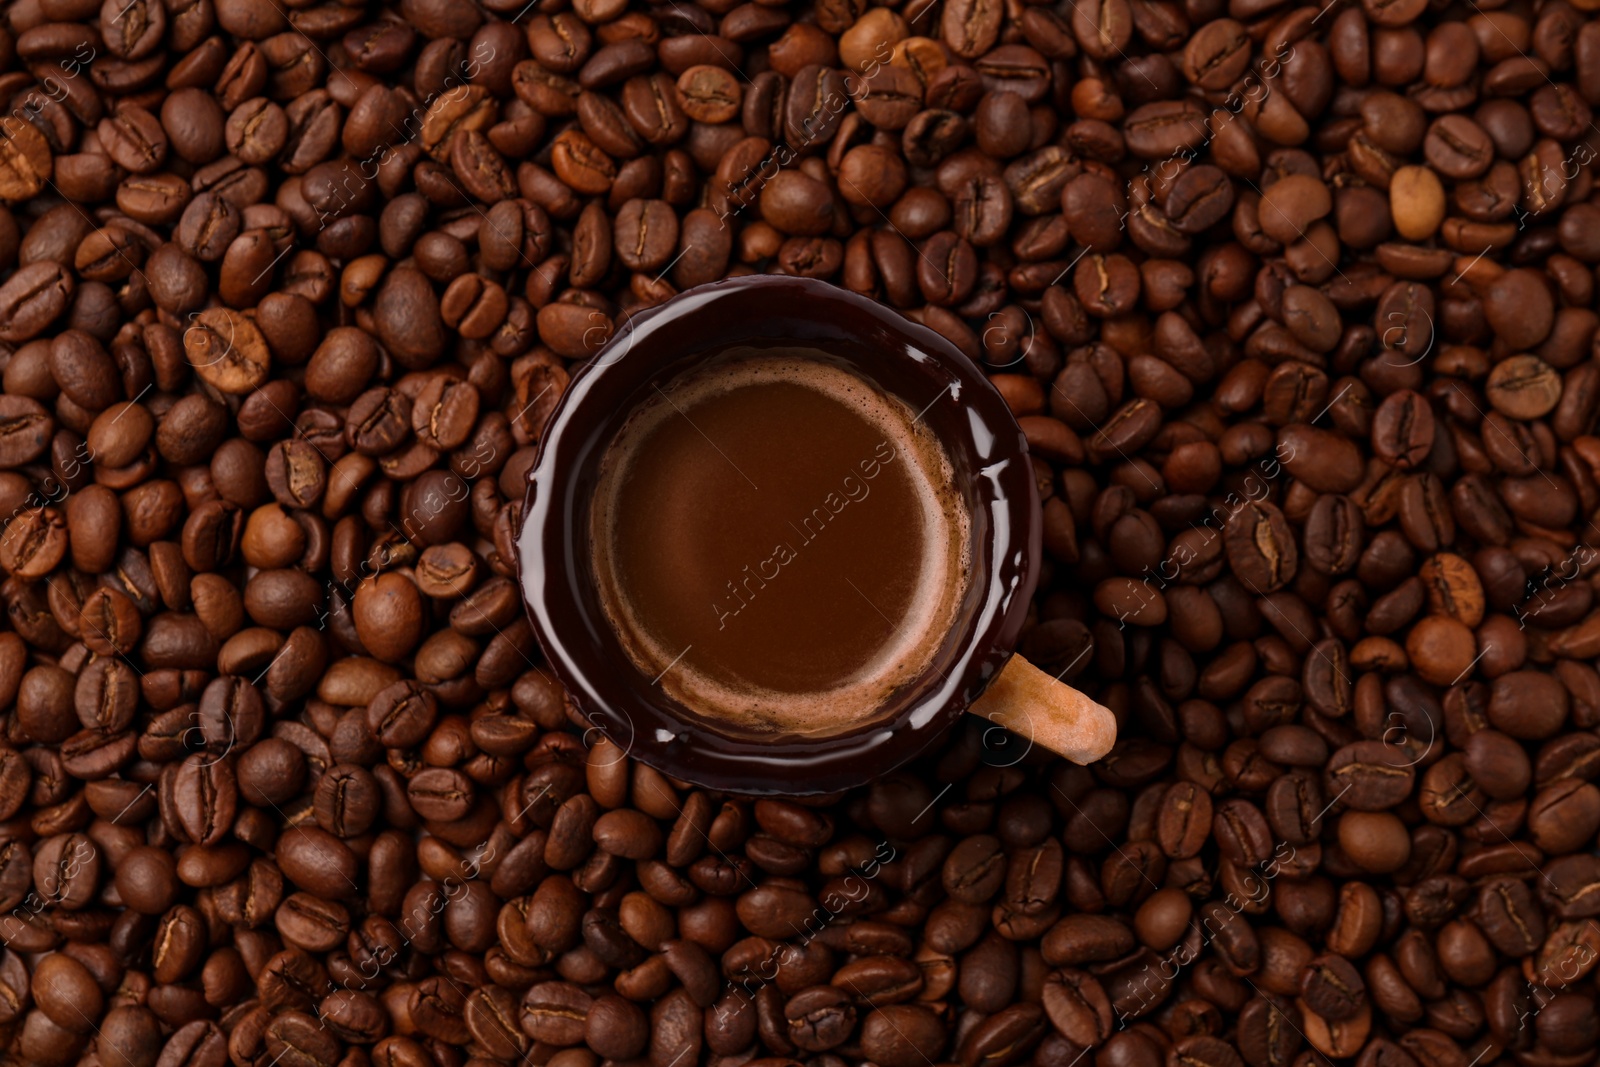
<point x="1035" y="706"/>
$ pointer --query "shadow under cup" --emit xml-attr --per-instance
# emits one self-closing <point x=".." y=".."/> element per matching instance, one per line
<point x="980" y="437"/>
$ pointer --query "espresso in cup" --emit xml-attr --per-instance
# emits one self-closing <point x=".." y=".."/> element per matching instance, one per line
<point x="779" y="539"/>
<point x="779" y="542"/>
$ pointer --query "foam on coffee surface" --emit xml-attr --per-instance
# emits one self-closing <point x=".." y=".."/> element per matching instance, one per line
<point x="778" y="542"/>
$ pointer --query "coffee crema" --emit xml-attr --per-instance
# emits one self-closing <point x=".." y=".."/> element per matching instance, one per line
<point x="779" y="543"/>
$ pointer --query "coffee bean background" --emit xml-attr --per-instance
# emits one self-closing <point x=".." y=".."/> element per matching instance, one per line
<point x="1295" y="306"/>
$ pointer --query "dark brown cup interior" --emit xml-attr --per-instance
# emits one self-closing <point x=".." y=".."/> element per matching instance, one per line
<point x="905" y="360"/>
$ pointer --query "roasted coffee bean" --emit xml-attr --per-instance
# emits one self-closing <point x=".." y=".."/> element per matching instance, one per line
<point x="1217" y="54"/>
<point x="66" y="868"/>
<point x="971" y="27"/>
<point x="1078" y="1007"/>
<point x="1185" y="820"/>
<point x="1199" y="199"/>
<point x="1261" y="548"/>
<point x="1269" y="1032"/>
<point x="1333" y="988"/>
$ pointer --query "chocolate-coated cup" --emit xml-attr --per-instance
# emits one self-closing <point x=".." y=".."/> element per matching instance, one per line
<point x="984" y="445"/>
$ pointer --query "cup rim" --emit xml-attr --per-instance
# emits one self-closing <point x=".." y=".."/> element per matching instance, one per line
<point x="552" y="557"/>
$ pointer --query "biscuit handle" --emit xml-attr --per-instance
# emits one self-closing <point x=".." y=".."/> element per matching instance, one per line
<point x="1037" y="707"/>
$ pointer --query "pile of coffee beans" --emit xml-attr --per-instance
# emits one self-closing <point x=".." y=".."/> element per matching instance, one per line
<point x="1294" y="304"/>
